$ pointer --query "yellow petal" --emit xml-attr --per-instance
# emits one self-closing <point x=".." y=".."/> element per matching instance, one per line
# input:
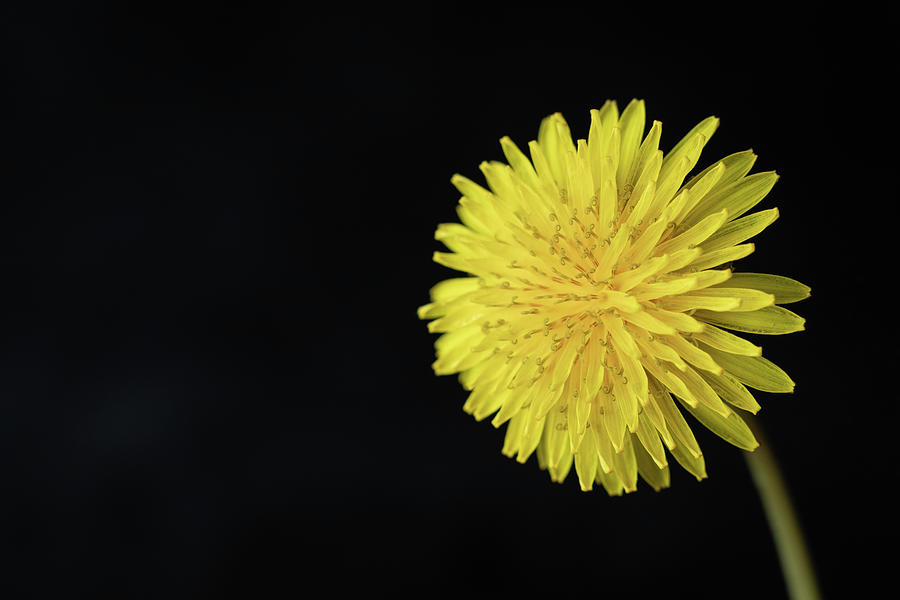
<point x="460" y="239"/>
<point x="622" y="338"/>
<point x="732" y="391"/>
<point x="559" y="471"/>
<point x="430" y="311"/>
<point x="513" y="436"/>
<point x="645" y="320"/>
<point x="454" y="347"/>
<point x="483" y="402"/>
<point x="530" y="437"/>
<point x="626" y="280"/>
<point x="692" y="353"/>
<point x="709" y="278"/>
<point x="626" y="400"/>
<point x="694" y="235"/>
<point x="784" y="289"/>
<point x="701" y="394"/>
<point x="656" y="418"/>
<point x="648" y="152"/>
<point x="773" y="320"/>
<point x="586" y="461"/>
<point x="645" y="181"/>
<point x="730" y="428"/>
<point x="473" y="219"/>
<point x="610" y="482"/>
<point x="602" y="443"/>
<point x="656" y="477"/>
<point x="563" y="365"/>
<point x="457" y="315"/>
<point x="749" y="299"/>
<point x="686" y="302"/>
<point x="698" y="190"/>
<point x="635" y="377"/>
<point x="607" y="204"/>
<point x="555" y="140"/>
<point x="450" y="289"/>
<point x="672" y="287"/>
<point x="708" y="260"/>
<point x="641" y="200"/>
<point x="603" y="143"/>
<point x="737" y="198"/>
<point x="755" y="371"/>
<point x="682" y="158"/>
<point x="687" y="256"/>
<point x="513" y="406"/>
<point x="675" y="422"/>
<point x="579" y="409"/>
<point x="626" y="466"/>
<point x="706" y="128"/>
<point x="543" y="169"/>
<point x="546" y="395"/>
<point x="472" y="375"/>
<point x="613" y="419"/>
<point x="594" y="355"/>
<point x="472" y="190"/>
<point x="649" y="441"/>
<point x="556" y="434"/>
<point x="695" y="465"/>
<point x="631" y="124"/>
<point x="676" y="320"/>
<point x="581" y="187"/>
<point x="654" y="349"/>
<point x="740" y="230"/>
<point x="520" y="163"/>
<point x="736" y="166"/>
<point x="608" y="114"/>
<point x="727" y="342"/>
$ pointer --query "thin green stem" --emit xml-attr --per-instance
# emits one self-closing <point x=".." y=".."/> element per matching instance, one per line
<point x="796" y="564"/>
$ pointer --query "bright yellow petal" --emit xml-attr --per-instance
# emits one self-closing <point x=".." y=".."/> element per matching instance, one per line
<point x="649" y="441"/>
<point x="626" y="466"/>
<point x="555" y="141"/>
<point x="784" y="289"/>
<point x="773" y="320"/>
<point x="755" y="371"/>
<point x="586" y="462"/>
<point x="682" y="158"/>
<point x="732" y="391"/>
<point x="695" y="465"/>
<point x="708" y="260"/>
<point x="749" y="300"/>
<point x="730" y="428"/>
<point x="727" y="342"/>
<point x="737" y="198"/>
<point x="736" y="166"/>
<point x="656" y="477"/>
<point x="740" y="230"/>
<point x="631" y="124"/>
<point x="675" y="422"/>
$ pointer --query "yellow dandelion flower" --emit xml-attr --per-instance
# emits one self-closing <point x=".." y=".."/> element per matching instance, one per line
<point x="600" y="288"/>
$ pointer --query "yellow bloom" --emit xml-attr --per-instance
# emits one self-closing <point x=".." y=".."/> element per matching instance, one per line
<point x="600" y="286"/>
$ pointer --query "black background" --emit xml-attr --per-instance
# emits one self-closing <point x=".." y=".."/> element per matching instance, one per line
<point x="216" y="228"/>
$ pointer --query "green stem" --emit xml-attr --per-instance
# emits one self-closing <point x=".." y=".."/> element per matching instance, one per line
<point x="796" y="564"/>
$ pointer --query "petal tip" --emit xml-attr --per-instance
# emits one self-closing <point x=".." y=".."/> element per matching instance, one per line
<point x="423" y="310"/>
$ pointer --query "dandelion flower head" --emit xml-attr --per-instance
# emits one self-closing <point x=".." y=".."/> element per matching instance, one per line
<point x="599" y="299"/>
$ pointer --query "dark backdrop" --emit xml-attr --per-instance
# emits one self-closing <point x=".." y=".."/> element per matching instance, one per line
<point x="217" y="226"/>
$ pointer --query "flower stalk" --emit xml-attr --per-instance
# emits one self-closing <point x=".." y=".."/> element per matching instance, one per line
<point x="796" y="564"/>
